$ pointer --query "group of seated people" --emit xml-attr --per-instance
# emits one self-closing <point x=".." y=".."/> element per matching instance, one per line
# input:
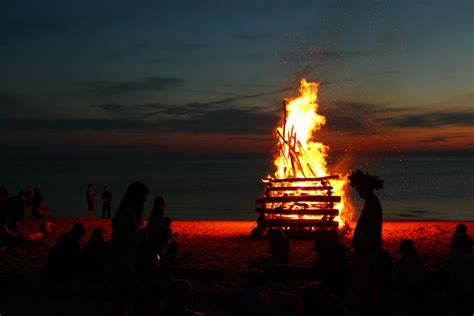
<point x="381" y="280"/>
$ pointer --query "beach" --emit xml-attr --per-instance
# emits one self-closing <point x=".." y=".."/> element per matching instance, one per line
<point x="226" y="246"/>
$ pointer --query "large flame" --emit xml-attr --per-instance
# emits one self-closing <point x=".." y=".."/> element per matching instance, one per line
<point x="299" y="155"/>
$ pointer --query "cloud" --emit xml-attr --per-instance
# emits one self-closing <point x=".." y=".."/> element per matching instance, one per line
<point x="111" y="107"/>
<point x="435" y="119"/>
<point x="252" y="36"/>
<point x="151" y="84"/>
<point x="10" y="104"/>
<point x="73" y="124"/>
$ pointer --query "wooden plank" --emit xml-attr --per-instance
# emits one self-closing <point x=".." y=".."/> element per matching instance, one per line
<point x="299" y="188"/>
<point x="299" y="223"/>
<point x="299" y="198"/>
<point x="308" y="211"/>
<point x="301" y="179"/>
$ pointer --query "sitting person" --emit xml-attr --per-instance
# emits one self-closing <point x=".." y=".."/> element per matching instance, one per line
<point x="95" y="254"/>
<point x="460" y="229"/>
<point x="178" y="299"/>
<point x="64" y="259"/>
<point x="411" y="274"/>
<point x="279" y="247"/>
<point x="332" y="264"/>
<point x="460" y="269"/>
<point x="253" y="299"/>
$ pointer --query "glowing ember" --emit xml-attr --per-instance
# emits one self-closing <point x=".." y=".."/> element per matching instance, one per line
<point x="302" y="189"/>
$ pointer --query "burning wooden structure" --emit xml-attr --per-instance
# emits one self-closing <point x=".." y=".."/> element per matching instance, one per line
<point x="298" y="203"/>
<point x="301" y="193"/>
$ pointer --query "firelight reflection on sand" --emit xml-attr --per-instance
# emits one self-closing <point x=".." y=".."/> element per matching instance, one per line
<point x="299" y="131"/>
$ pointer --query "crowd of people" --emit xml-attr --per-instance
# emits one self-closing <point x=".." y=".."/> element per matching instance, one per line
<point x="358" y="280"/>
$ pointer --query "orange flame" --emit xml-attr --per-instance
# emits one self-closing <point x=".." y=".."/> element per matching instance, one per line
<point x="299" y="156"/>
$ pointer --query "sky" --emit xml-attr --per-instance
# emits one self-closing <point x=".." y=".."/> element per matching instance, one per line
<point x="151" y="78"/>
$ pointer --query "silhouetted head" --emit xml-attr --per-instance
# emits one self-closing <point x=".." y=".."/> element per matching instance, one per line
<point x="314" y="298"/>
<point x="21" y="195"/>
<point x="407" y="247"/>
<point x="78" y="231"/>
<point x="278" y="234"/>
<point x="325" y="240"/>
<point x="97" y="235"/>
<point x="365" y="183"/>
<point x="460" y="229"/>
<point x="463" y="243"/>
<point x="106" y="188"/>
<point x="134" y="198"/>
<point x="37" y="190"/>
<point x="159" y="204"/>
<point x="257" y="279"/>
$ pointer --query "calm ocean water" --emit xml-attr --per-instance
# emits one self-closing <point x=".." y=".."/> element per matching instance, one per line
<point x="415" y="187"/>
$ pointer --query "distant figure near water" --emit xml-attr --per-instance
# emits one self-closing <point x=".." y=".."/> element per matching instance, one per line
<point x="90" y="197"/>
<point x="106" y="202"/>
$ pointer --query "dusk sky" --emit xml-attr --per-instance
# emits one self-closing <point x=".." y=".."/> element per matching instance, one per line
<point x="208" y="77"/>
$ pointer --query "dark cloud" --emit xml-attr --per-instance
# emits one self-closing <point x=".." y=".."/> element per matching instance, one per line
<point x="73" y="124"/>
<point x="435" y="119"/>
<point x="152" y="84"/>
<point x="111" y="107"/>
<point x="434" y="139"/>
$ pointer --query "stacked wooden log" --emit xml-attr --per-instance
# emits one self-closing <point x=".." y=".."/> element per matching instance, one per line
<point x="298" y="203"/>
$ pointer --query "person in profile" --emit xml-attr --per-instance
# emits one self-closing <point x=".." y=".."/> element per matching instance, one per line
<point x="37" y="204"/>
<point x="64" y="260"/>
<point x="279" y="247"/>
<point x="126" y="239"/>
<point x="368" y="232"/>
<point x="90" y="198"/>
<point x="106" y="202"/>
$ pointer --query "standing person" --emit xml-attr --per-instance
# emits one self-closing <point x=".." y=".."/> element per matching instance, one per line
<point x="368" y="258"/>
<point x="126" y="239"/>
<point x="37" y="204"/>
<point x="90" y="201"/>
<point x="106" y="201"/>
<point x="29" y="193"/>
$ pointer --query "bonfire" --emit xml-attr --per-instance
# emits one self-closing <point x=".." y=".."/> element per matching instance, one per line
<point x="302" y="193"/>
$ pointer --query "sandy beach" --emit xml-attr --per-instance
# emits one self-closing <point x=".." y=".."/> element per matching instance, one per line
<point x="226" y="246"/>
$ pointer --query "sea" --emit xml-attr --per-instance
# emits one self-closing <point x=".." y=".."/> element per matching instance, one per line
<point x="416" y="187"/>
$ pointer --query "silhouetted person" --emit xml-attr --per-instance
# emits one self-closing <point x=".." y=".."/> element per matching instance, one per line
<point x="460" y="269"/>
<point x="29" y="193"/>
<point x="3" y="203"/>
<point x="126" y="239"/>
<point x="106" y="202"/>
<point x="316" y="299"/>
<point x="332" y="264"/>
<point x="252" y="301"/>
<point x="90" y="197"/>
<point x="64" y="260"/>
<point x="279" y="247"/>
<point x="411" y="274"/>
<point x="37" y="204"/>
<point x="95" y="255"/>
<point x="157" y="227"/>
<point x="368" y="232"/>
<point x="460" y="229"/>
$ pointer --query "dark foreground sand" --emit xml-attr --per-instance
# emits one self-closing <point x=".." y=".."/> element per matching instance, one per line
<point x="222" y="246"/>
